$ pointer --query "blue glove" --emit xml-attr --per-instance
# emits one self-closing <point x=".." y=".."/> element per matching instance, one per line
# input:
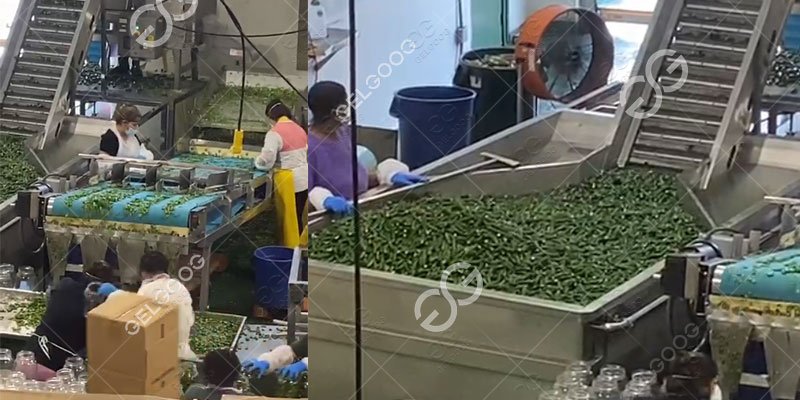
<point x="256" y="366"/>
<point x="293" y="371"/>
<point x="401" y="179"/>
<point x="338" y="205"/>
<point x="106" y="289"/>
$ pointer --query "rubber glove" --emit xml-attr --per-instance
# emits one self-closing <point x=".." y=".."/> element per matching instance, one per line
<point x="338" y="205"/>
<point x="401" y="179"/>
<point x="106" y="289"/>
<point x="293" y="371"/>
<point x="256" y="366"/>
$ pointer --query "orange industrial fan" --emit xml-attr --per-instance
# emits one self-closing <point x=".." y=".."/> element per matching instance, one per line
<point x="564" y="53"/>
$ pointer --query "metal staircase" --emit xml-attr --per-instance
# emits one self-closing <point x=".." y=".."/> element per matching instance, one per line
<point x="37" y="80"/>
<point x="696" y="123"/>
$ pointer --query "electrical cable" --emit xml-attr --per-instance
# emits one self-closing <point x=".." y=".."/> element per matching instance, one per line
<point x="503" y="20"/>
<point x="356" y="214"/>
<point x="244" y="62"/>
<point x="253" y="45"/>
<point x="265" y="35"/>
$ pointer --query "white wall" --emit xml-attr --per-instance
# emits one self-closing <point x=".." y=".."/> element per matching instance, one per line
<point x="417" y="36"/>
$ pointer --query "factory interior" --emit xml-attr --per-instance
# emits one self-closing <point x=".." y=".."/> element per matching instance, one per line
<point x="501" y="200"/>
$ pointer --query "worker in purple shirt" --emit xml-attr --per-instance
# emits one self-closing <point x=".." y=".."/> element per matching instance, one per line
<point x="330" y="175"/>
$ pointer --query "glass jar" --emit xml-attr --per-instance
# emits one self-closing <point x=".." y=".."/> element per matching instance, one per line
<point x="567" y="380"/>
<point x="617" y="373"/>
<point x="579" y="393"/>
<point x="638" y="390"/>
<point x="76" y="365"/>
<point x="26" y="278"/>
<point x="607" y="389"/>
<point x="649" y="377"/>
<point x="582" y="370"/>
<point x="76" y="387"/>
<point x="66" y="375"/>
<point x="26" y="363"/>
<point x="6" y="280"/>
<point x="54" y="385"/>
<point x="553" y="394"/>
<point x="6" y="361"/>
<point x="645" y="375"/>
<point x="30" y="386"/>
<point x="15" y="381"/>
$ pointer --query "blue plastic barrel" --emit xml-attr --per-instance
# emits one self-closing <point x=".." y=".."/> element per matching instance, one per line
<point x="272" y="265"/>
<point x="434" y="122"/>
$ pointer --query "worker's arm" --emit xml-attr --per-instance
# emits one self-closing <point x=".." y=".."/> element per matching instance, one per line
<point x="276" y="359"/>
<point x="269" y="152"/>
<point x="395" y="173"/>
<point x="145" y="154"/>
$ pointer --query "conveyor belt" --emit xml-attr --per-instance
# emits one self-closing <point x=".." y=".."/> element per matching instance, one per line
<point x="701" y="61"/>
<point x="130" y="204"/>
<point x="133" y="206"/>
<point x="773" y="276"/>
<point x="216" y="161"/>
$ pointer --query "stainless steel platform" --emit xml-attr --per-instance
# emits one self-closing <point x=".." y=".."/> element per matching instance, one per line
<point x="504" y="346"/>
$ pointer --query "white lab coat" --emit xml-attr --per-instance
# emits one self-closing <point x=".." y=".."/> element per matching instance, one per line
<point x="282" y="356"/>
<point x="129" y="147"/>
<point x="166" y="290"/>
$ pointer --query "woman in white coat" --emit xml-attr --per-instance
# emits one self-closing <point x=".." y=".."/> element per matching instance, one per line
<point x="123" y="140"/>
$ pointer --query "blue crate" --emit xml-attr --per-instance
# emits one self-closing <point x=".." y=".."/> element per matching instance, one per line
<point x="95" y="52"/>
<point x="791" y="32"/>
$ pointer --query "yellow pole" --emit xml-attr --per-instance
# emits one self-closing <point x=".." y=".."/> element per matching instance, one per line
<point x="285" y="207"/>
<point x="238" y="141"/>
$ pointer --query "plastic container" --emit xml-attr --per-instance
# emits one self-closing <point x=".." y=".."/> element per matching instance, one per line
<point x="496" y="88"/>
<point x="367" y="158"/>
<point x="26" y="278"/>
<point x="434" y="121"/>
<point x="272" y="265"/>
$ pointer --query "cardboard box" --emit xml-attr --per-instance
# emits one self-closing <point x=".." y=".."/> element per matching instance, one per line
<point x="232" y="397"/>
<point x="167" y="385"/>
<point x="132" y="346"/>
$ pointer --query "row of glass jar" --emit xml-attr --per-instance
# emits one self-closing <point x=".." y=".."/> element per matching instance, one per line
<point x="20" y="373"/>
<point x="15" y="381"/>
<point x="10" y="278"/>
<point x="578" y="382"/>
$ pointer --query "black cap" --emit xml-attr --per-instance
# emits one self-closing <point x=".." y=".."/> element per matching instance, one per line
<point x="324" y="98"/>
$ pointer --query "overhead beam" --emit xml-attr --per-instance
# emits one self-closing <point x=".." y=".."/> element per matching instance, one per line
<point x="629" y="16"/>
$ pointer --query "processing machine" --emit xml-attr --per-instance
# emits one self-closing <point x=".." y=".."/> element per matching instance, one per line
<point x="506" y="346"/>
<point x="179" y="206"/>
<point x="200" y="191"/>
<point x="748" y="298"/>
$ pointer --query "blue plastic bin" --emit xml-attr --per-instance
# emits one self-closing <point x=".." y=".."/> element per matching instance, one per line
<point x="272" y="265"/>
<point x="434" y="122"/>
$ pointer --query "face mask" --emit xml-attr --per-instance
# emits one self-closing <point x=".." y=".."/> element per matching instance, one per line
<point x="132" y="132"/>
